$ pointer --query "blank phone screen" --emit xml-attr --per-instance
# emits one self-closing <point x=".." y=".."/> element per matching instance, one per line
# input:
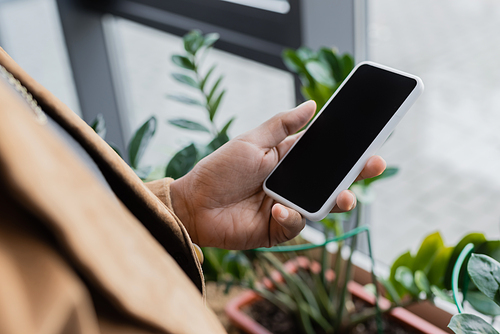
<point x="340" y="135"/>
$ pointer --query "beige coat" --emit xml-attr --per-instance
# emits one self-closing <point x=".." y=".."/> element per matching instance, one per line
<point x="74" y="258"/>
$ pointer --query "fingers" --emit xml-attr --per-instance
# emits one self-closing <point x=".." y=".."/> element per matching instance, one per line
<point x="373" y="167"/>
<point x="290" y="221"/>
<point x="276" y="129"/>
<point x="346" y="201"/>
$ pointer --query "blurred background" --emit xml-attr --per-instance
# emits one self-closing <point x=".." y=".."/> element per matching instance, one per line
<point x="114" y="58"/>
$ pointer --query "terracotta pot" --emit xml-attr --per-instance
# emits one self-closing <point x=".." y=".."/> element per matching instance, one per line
<point x="234" y="309"/>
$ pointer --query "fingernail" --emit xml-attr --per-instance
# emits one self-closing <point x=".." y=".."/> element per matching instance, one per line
<point x="353" y="203"/>
<point x="283" y="213"/>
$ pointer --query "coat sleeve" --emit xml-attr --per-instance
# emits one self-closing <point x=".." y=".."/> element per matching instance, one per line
<point x="161" y="188"/>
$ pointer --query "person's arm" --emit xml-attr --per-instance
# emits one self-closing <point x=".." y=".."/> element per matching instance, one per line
<point x="221" y="201"/>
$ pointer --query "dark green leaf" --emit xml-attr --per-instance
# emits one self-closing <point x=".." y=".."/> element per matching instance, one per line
<point x="348" y="65"/>
<point x="187" y="124"/>
<point x="470" y="324"/>
<point x="183" y="62"/>
<point x="205" y="79"/>
<point x="438" y="267"/>
<point x="226" y="127"/>
<point x="477" y="239"/>
<point x="406" y="260"/>
<point x="429" y="249"/>
<point x="214" y="88"/>
<point x="422" y="282"/>
<point x="99" y="126"/>
<point x="442" y="294"/>
<point x="182" y="162"/>
<point x="329" y="57"/>
<point x="490" y="248"/>
<point x="391" y="291"/>
<point x="186" y="100"/>
<point x="483" y="304"/>
<point x="404" y="276"/>
<point x="193" y="41"/>
<point x="305" y="53"/>
<point x="485" y="273"/>
<point x="320" y="73"/>
<point x="215" y="105"/>
<point x="217" y="142"/>
<point x="389" y="172"/>
<point x="236" y="264"/>
<point x="185" y="79"/>
<point x="210" y="39"/>
<point x="140" y="141"/>
<point x="293" y="62"/>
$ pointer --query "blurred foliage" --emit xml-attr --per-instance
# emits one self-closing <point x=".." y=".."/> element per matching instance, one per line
<point x="137" y="145"/>
<point x="320" y="72"/>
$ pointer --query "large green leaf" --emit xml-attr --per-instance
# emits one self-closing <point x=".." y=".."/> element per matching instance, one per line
<point x="477" y="239"/>
<point x="442" y="294"/>
<point x="187" y="124"/>
<point x="140" y="141"/>
<point x="427" y="252"/>
<point x="320" y="73"/>
<point x="438" y="267"/>
<point x="470" y="324"/>
<point x="485" y="273"/>
<point x="348" y="64"/>
<point x="226" y="126"/>
<point x="183" y="62"/>
<point x="490" y="248"/>
<point x="217" y="142"/>
<point x="99" y="126"/>
<point x="185" y="79"/>
<point x="482" y="303"/>
<point x="182" y="162"/>
<point x="404" y="276"/>
<point x="329" y="57"/>
<point x="406" y="260"/>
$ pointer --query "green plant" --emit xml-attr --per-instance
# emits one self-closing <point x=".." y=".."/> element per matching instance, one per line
<point x="208" y="88"/>
<point x="429" y="273"/>
<point x="485" y="274"/>
<point x="320" y="72"/>
<point x="137" y="145"/>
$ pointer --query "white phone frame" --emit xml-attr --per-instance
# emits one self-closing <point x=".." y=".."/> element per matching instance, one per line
<point x="358" y="166"/>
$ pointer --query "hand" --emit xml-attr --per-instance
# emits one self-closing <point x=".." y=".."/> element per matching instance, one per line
<point x="221" y="201"/>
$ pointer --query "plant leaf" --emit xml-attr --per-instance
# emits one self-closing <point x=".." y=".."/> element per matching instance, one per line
<point x="236" y="264"/>
<point x="182" y="162"/>
<point x="388" y="172"/>
<point x="210" y="39"/>
<point x="427" y="252"/>
<point x="441" y="294"/>
<point x="185" y="79"/>
<point x="183" y="62"/>
<point x="205" y="79"/>
<point x="348" y="64"/>
<point x="483" y="304"/>
<point x="320" y="73"/>
<point x="422" y="282"/>
<point x="217" y="142"/>
<point x="187" y="124"/>
<point x="391" y="291"/>
<point x="193" y="41"/>
<point x="329" y="57"/>
<point x="406" y="260"/>
<point x="215" y="105"/>
<point x="186" y="100"/>
<point x="438" y="267"/>
<point x="226" y="127"/>
<point x="214" y="88"/>
<point x="477" y="239"/>
<point x="485" y="273"/>
<point x="99" y="126"/>
<point x="404" y="276"/>
<point x="470" y="324"/>
<point x="140" y="141"/>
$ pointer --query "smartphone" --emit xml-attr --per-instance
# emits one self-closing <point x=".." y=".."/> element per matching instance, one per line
<point x="347" y="131"/>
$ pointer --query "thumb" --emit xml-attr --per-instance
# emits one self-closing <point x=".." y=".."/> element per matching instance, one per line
<point x="272" y="132"/>
<point x="290" y="223"/>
